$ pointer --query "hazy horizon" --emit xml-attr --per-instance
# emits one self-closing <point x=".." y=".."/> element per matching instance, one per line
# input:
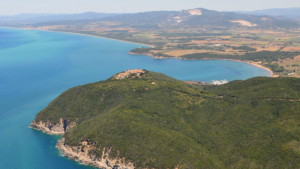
<point x="15" y="7"/>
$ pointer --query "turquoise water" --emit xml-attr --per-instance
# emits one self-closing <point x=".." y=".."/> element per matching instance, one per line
<point x="36" y="66"/>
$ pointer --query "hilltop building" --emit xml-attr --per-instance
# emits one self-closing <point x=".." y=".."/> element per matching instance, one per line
<point x="221" y="82"/>
<point x="125" y="74"/>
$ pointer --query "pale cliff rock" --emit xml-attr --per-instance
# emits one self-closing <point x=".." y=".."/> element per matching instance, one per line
<point x="53" y="129"/>
<point x="81" y="154"/>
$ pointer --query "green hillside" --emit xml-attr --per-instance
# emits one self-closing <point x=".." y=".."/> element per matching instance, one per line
<point x="167" y="124"/>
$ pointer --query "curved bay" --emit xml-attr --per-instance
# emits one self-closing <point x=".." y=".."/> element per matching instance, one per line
<point x="36" y="66"/>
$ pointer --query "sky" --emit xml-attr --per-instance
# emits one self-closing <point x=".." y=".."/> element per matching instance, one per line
<point x="13" y="7"/>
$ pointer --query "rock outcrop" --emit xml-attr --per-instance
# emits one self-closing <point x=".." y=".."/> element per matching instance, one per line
<point x="81" y="154"/>
<point x="53" y="129"/>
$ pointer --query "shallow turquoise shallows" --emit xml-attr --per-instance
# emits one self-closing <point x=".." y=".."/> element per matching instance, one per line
<point x="36" y="66"/>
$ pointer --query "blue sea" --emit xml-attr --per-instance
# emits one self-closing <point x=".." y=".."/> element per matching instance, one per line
<point x="36" y="66"/>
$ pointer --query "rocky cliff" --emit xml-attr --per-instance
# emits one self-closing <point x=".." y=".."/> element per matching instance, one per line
<point x="53" y="129"/>
<point x="81" y="154"/>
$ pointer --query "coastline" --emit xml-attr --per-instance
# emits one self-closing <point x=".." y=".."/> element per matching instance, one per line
<point x="161" y="57"/>
<point x="257" y="65"/>
<point x="261" y="66"/>
<point x="79" y="34"/>
<point x="52" y="129"/>
<point x="98" y="37"/>
<point x="251" y="63"/>
<point x="155" y="57"/>
<point x="81" y="155"/>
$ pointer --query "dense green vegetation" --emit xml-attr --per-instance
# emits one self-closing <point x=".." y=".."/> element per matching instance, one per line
<point x="146" y="51"/>
<point x="247" y="48"/>
<point x="265" y="56"/>
<point x="141" y="50"/>
<point x="242" y="124"/>
<point x="275" y="67"/>
<point x="193" y="34"/>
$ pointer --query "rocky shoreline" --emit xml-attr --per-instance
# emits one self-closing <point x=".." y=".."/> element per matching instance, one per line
<point x="81" y="154"/>
<point x="52" y="129"/>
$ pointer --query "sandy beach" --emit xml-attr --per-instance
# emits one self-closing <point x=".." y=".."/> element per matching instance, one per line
<point x="261" y="66"/>
<point x="255" y="64"/>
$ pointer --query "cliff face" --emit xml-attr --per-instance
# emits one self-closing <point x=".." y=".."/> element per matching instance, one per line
<point x="81" y="154"/>
<point x="53" y="129"/>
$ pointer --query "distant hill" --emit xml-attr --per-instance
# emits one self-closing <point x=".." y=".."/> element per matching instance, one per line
<point x="159" y="19"/>
<point x="285" y="12"/>
<point x="32" y="18"/>
<point x="200" y="17"/>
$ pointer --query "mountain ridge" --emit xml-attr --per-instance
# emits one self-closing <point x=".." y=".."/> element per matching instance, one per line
<point x="161" y="19"/>
<point x="203" y="18"/>
<point x="277" y="12"/>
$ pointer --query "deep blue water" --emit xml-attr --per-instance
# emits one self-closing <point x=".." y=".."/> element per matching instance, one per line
<point x="36" y="66"/>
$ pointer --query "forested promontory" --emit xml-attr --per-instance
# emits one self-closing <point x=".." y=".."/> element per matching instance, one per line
<point x="142" y="119"/>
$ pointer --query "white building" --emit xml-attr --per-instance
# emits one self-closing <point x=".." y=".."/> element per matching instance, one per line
<point x="221" y="82"/>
